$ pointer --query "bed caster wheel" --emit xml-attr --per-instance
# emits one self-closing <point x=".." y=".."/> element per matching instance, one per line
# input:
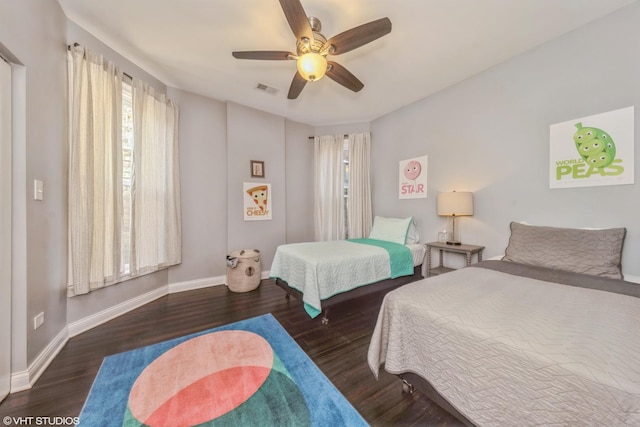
<point x="325" y="316"/>
<point x="407" y="387"/>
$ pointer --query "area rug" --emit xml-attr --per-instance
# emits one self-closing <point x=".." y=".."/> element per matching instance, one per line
<point x="246" y="373"/>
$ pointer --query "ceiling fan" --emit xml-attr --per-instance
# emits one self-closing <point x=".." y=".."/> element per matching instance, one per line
<point x="313" y="48"/>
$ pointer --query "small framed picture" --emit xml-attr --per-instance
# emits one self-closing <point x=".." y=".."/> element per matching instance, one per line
<point x="257" y="169"/>
<point x="442" y="237"/>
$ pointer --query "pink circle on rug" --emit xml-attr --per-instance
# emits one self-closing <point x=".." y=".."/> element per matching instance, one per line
<point x="201" y="379"/>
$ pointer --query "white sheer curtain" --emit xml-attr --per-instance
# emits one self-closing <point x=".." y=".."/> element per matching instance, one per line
<point x="335" y="216"/>
<point x="359" y="216"/>
<point x="156" y="232"/>
<point x="95" y="165"/>
<point x="329" y="204"/>
<point x="105" y="245"/>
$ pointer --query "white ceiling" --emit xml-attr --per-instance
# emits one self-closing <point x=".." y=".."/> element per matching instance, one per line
<point x="433" y="44"/>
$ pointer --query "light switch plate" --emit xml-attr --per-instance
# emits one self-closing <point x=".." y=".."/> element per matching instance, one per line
<point x="38" y="320"/>
<point x="38" y="190"/>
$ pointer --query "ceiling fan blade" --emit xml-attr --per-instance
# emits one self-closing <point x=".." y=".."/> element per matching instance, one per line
<point x="297" y="18"/>
<point x="359" y="36"/>
<point x="262" y="54"/>
<point x="297" y="84"/>
<point x="339" y="74"/>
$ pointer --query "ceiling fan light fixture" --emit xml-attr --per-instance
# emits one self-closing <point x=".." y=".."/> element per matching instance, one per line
<point x="312" y="48"/>
<point x="312" y="66"/>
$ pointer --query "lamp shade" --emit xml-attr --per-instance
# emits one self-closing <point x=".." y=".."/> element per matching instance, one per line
<point x="456" y="203"/>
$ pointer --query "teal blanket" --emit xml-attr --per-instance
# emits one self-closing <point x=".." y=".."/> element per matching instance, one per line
<point x="400" y="258"/>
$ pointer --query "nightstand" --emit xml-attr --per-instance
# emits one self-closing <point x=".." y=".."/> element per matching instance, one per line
<point x="467" y="250"/>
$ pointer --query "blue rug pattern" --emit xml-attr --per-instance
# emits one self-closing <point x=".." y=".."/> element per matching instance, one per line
<point x="283" y="388"/>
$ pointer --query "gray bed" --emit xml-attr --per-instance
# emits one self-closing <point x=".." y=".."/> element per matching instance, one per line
<point x="505" y="343"/>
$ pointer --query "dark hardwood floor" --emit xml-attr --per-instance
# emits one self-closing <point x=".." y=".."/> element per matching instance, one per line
<point x="339" y="349"/>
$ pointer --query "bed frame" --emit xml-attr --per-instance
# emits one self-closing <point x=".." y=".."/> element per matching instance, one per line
<point x="388" y="285"/>
<point x="411" y="382"/>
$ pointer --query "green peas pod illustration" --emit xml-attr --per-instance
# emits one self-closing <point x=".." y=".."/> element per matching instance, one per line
<point x="591" y="147"/>
<point x="599" y="160"/>
<point x="594" y="145"/>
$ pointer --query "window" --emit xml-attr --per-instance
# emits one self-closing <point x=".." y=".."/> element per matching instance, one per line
<point x="342" y="199"/>
<point x="124" y="201"/>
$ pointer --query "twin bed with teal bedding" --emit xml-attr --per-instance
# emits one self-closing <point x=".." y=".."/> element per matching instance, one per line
<point x="325" y="273"/>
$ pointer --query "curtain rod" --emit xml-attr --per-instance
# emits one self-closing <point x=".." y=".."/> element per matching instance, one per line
<point x="78" y="44"/>
<point x="345" y="136"/>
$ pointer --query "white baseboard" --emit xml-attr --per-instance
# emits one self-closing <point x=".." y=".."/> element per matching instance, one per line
<point x="191" y="285"/>
<point x="103" y="316"/>
<point x="24" y="380"/>
<point x="89" y="322"/>
<point x="20" y="381"/>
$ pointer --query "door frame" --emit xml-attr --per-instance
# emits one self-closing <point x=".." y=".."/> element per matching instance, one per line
<point x="5" y="226"/>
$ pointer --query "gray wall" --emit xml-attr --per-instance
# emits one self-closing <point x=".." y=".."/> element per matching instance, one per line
<point x="490" y="135"/>
<point x="203" y="178"/>
<point x="32" y="33"/>
<point x="284" y="147"/>
<point x="299" y="188"/>
<point x="255" y="135"/>
<point x="342" y="129"/>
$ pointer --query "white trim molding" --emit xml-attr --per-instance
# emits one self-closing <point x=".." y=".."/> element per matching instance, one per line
<point x="24" y="380"/>
<point x="97" y="319"/>
<point x="191" y="285"/>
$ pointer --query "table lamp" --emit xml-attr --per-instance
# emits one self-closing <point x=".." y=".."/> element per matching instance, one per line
<point x="454" y="204"/>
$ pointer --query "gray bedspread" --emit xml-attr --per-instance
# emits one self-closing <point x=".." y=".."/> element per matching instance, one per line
<point x="564" y="277"/>
<point x="510" y="350"/>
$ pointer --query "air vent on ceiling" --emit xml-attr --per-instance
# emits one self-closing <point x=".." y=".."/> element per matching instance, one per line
<point x="266" y="88"/>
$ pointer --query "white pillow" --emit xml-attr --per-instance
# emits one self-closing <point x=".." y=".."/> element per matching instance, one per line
<point x="413" y="236"/>
<point x="393" y="230"/>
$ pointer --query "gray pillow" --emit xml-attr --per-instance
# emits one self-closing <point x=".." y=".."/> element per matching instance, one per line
<point x="593" y="252"/>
